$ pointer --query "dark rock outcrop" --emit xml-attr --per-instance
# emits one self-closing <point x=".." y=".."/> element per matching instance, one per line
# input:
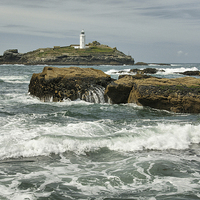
<point x="58" y="84"/>
<point x="119" y="90"/>
<point x="141" y="63"/>
<point x="142" y="71"/>
<point x="191" y="73"/>
<point x="11" y="55"/>
<point x="145" y="71"/>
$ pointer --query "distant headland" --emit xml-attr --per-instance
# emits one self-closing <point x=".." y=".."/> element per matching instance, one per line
<point x="93" y="54"/>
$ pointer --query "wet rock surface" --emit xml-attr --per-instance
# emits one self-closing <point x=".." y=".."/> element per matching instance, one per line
<point x="58" y="84"/>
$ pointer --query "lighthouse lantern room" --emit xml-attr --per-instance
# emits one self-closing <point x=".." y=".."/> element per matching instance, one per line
<point x="82" y="40"/>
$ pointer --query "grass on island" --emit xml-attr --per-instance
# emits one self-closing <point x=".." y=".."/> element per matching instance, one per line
<point x="71" y="51"/>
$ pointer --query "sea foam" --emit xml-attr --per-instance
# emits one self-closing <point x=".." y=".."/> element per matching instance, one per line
<point x="167" y="71"/>
<point x="81" y="137"/>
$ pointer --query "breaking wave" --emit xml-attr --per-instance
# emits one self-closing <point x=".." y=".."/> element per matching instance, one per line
<point x="86" y="136"/>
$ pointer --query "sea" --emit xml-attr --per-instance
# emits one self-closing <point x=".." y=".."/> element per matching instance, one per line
<point x="78" y="150"/>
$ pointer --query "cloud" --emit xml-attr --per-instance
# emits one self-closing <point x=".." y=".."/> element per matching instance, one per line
<point x="14" y="26"/>
<point x="175" y="10"/>
<point x="181" y="53"/>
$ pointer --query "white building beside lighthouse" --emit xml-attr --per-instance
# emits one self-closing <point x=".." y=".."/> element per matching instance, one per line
<point x="82" y="44"/>
<point x="82" y="40"/>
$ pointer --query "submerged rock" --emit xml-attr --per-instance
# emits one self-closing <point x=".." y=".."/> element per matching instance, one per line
<point x="58" y="84"/>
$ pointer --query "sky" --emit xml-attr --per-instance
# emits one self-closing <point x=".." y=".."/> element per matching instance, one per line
<point x="153" y="31"/>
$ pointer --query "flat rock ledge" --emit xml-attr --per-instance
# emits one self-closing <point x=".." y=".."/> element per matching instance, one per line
<point x="181" y="95"/>
<point x="57" y="84"/>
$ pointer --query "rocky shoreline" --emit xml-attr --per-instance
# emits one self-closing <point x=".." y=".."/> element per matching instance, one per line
<point x="180" y="95"/>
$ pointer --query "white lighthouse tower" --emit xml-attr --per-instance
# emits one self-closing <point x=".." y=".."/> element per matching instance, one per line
<point x="82" y="40"/>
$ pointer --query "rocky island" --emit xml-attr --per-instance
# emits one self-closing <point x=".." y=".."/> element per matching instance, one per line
<point x="58" y="84"/>
<point x="94" y="54"/>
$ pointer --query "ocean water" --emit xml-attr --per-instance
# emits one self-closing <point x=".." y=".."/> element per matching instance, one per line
<point x="82" y="150"/>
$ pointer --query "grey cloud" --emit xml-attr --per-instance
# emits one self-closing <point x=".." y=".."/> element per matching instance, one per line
<point x="180" y="11"/>
<point x="14" y="26"/>
<point x="35" y="4"/>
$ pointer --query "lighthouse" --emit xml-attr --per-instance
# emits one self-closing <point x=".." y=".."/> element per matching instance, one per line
<point x="82" y="40"/>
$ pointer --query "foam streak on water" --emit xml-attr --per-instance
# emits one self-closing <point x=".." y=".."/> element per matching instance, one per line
<point x="169" y="71"/>
<point x="84" y="150"/>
